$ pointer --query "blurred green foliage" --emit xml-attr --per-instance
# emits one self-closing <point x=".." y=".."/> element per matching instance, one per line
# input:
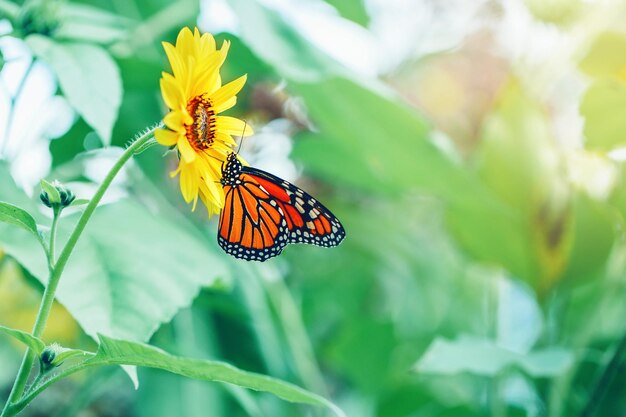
<point x="480" y="282"/>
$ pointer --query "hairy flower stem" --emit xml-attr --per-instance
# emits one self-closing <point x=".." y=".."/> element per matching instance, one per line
<point x="53" y="238"/>
<point x="55" y="274"/>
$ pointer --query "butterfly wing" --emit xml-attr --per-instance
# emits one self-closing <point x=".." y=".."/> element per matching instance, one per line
<point x="307" y="220"/>
<point x="252" y="225"/>
<point x="264" y="213"/>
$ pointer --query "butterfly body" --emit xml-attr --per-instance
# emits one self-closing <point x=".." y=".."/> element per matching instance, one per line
<point x="263" y="213"/>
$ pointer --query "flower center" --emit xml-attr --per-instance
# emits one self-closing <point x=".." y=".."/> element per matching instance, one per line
<point x="201" y="133"/>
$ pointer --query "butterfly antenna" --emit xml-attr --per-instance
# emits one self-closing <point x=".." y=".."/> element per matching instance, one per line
<point x="214" y="157"/>
<point x="242" y="135"/>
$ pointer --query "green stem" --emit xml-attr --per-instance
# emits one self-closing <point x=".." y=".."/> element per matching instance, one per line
<point x="13" y="409"/>
<point x="605" y="380"/>
<point x="37" y="379"/>
<point x="53" y="238"/>
<point x="55" y="274"/>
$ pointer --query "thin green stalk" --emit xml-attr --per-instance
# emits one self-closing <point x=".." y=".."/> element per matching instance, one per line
<point x="605" y="380"/>
<point x="28" y="398"/>
<point x="57" y="271"/>
<point x="53" y="238"/>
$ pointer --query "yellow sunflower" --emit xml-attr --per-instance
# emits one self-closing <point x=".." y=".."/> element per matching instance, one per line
<point x="195" y="95"/>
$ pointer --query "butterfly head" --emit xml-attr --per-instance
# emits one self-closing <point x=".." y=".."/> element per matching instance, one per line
<point x="231" y="169"/>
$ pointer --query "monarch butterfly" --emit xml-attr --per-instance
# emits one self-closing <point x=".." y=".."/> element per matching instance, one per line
<point x="263" y="213"/>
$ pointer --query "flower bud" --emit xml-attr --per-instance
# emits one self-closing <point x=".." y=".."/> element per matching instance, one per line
<point x="48" y="356"/>
<point x="55" y="195"/>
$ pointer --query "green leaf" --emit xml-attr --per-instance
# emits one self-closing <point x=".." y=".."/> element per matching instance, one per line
<point x="131" y="270"/>
<point x="79" y="202"/>
<point x="90" y="24"/>
<point x="484" y="357"/>
<point x="89" y="79"/>
<point x="120" y="352"/>
<point x="18" y="217"/>
<point x="603" y="107"/>
<point x="354" y="10"/>
<point x="67" y="353"/>
<point x="390" y="152"/>
<point x="34" y="343"/>
<point x="277" y="42"/>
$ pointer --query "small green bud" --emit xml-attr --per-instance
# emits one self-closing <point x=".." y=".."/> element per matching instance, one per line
<point x="55" y="195"/>
<point x="48" y="356"/>
<point x="54" y="355"/>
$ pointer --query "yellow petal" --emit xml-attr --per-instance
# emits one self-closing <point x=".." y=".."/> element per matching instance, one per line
<point x="176" y="62"/>
<point x="175" y="172"/>
<point x="171" y="92"/>
<point x="175" y="119"/>
<point x="166" y="137"/>
<point x="212" y="164"/>
<point x="195" y="203"/>
<point x="228" y="91"/>
<point x="226" y="139"/>
<point x="233" y="126"/>
<point x="224" y="49"/>
<point x="207" y="78"/>
<point x="186" y="79"/>
<point x="185" y="149"/>
<point x="187" y="119"/>
<point x="211" y="206"/>
<point x="225" y="105"/>
<point x="221" y="150"/>
<point x="207" y="44"/>
<point x="211" y="193"/>
<point x="188" y="182"/>
<point x="211" y="61"/>
<point x="185" y="43"/>
<point x="203" y="84"/>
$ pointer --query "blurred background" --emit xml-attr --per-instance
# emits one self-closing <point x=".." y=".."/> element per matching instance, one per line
<point x="472" y="149"/>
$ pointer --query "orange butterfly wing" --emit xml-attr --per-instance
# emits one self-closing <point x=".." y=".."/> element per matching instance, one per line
<point x="263" y="213"/>
<point x="251" y="224"/>
<point x="308" y="221"/>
